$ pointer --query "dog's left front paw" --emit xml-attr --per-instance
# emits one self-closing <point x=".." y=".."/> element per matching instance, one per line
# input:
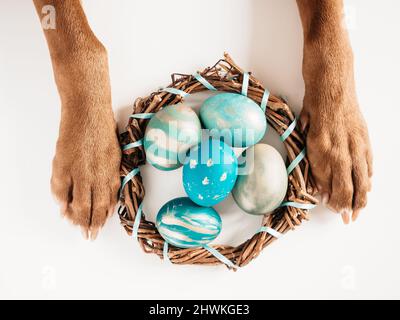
<point x="340" y="154"/>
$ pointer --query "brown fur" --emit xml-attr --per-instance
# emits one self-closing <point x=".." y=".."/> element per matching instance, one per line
<point x="85" y="175"/>
<point x="85" y="169"/>
<point x="337" y="142"/>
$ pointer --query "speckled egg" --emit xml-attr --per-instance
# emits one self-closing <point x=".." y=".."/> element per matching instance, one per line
<point x="184" y="224"/>
<point x="263" y="188"/>
<point x="209" y="172"/>
<point x="235" y="118"/>
<point x="170" y="134"/>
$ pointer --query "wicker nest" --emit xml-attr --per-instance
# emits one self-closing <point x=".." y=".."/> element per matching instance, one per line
<point x="226" y="76"/>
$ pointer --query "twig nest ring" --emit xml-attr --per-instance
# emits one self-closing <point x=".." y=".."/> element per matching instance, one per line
<point x="183" y="230"/>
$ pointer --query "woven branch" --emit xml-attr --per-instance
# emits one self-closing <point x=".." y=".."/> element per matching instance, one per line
<point x="226" y="76"/>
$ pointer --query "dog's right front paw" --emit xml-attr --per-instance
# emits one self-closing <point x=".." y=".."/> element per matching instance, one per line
<point x="85" y="177"/>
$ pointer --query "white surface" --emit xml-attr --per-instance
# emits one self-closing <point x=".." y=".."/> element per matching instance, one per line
<point x="42" y="256"/>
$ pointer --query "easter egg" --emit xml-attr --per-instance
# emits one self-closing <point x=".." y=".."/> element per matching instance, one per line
<point x="184" y="224"/>
<point x="263" y="187"/>
<point x="169" y="135"/>
<point x="209" y="172"/>
<point x="235" y="118"/>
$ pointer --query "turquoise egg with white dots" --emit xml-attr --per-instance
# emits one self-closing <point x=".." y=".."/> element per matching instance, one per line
<point x="235" y="118"/>
<point x="169" y="135"/>
<point x="184" y="224"/>
<point x="210" y="172"/>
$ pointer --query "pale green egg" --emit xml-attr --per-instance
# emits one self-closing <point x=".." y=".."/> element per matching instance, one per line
<point x="263" y="186"/>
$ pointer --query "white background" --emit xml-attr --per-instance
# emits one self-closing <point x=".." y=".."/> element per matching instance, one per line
<point x="43" y="256"/>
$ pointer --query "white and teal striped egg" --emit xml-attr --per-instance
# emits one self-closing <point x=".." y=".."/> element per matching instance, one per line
<point x="184" y="224"/>
<point x="169" y="135"/>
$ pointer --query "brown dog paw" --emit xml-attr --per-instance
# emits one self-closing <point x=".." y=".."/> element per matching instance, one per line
<point x="338" y="144"/>
<point x="339" y="151"/>
<point x="85" y="177"/>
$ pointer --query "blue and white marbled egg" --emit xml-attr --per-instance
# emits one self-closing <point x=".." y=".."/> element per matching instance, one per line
<point x="170" y="134"/>
<point x="235" y="118"/>
<point x="209" y="172"/>
<point x="184" y="224"/>
<point x="264" y="187"/>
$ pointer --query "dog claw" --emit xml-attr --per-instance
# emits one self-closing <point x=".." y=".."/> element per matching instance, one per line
<point x="325" y="198"/>
<point x="85" y="233"/>
<point x="110" y="212"/>
<point x="93" y="234"/>
<point x="355" y="214"/>
<point x="346" y="217"/>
